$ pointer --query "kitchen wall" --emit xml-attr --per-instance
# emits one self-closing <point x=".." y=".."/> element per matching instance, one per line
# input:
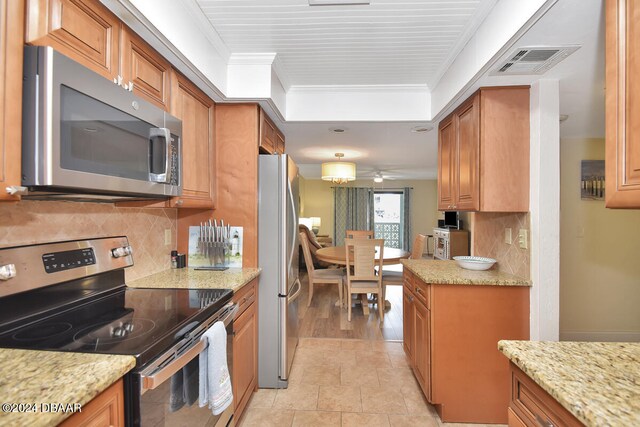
<point x="487" y="240"/>
<point x="29" y="222"/>
<point x="599" y="268"/>
<point x="316" y="198"/>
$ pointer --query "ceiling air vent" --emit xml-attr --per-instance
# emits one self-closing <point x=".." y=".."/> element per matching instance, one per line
<point x="533" y="60"/>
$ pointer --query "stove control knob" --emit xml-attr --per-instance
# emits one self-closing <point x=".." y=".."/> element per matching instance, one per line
<point x="118" y="332"/>
<point x="121" y="251"/>
<point x="7" y="271"/>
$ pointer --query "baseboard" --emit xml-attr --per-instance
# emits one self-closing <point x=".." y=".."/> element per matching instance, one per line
<point x="607" y="336"/>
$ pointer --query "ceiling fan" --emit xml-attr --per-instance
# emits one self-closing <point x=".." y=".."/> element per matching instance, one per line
<point x="379" y="174"/>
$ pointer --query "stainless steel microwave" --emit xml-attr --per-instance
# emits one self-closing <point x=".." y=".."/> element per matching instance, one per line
<point x="85" y="137"/>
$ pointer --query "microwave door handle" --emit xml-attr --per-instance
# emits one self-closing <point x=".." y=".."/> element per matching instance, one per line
<point x="164" y="134"/>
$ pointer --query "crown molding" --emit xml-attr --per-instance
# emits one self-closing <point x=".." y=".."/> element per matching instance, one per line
<point x="251" y="58"/>
<point x="207" y="28"/>
<point x="360" y="88"/>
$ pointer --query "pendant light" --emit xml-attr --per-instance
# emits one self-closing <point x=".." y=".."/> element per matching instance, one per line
<point x="339" y="172"/>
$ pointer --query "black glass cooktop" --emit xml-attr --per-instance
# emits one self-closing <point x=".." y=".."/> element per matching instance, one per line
<point x="126" y="321"/>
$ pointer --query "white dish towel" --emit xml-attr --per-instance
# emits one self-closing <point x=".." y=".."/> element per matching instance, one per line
<point x="215" y="381"/>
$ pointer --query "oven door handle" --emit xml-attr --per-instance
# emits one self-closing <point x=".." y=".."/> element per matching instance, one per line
<point x="151" y="380"/>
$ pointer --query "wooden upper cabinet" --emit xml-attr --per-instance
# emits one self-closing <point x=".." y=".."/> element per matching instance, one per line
<point x="622" y="104"/>
<point x="87" y="32"/>
<point x="467" y="179"/>
<point x="83" y="30"/>
<point x="483" y="153"/>
<point x="196" y="110"/>
<point x="271" y="139"/>
<point x="11" y="42"/>
<point x="446" y="163"/>
<point x="145" y="68"/>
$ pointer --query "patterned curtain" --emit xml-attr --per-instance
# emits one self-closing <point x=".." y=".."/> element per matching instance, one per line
<point x="407" y="241"/>
<point x="353" y="211"/>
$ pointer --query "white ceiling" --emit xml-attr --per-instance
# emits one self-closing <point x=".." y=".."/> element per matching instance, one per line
<point x="391" y="146"/>
<point x="403" y="42"/>
<point x="388" y="42"/>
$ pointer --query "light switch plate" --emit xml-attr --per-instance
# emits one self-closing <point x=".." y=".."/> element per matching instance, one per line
<point x="507" y="236"/>
<point x="523" y="239"/>
<point x="167" y="236"/>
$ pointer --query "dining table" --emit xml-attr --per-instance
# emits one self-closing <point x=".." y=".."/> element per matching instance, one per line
<point x="337" y="255"/>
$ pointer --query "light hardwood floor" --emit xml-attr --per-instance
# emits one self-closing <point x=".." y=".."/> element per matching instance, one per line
<point x="323" y="319"/>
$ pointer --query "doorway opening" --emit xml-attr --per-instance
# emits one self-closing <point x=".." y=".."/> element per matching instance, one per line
<point x="388" y="218"/>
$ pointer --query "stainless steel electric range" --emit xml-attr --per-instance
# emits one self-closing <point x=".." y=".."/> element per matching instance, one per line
<point x="72" y="296"/>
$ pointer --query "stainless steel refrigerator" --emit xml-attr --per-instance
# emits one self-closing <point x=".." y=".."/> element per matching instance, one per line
<point x="280" y="287"/>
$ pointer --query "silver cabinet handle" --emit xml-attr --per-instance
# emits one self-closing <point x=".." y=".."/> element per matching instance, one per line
<point x="544" y="422"/>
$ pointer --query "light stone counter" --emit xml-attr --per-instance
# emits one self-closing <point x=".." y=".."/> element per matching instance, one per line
<point x="46" y="377"/>
<point x="233" y="278"/>
<point x="449" y="273"/>
<point x="599" y="383"/>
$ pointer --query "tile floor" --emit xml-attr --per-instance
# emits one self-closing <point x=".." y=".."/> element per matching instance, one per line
<point x="345" y="382"/>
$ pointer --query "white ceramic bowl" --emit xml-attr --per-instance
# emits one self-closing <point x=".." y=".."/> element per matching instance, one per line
<point x="474" y="262"/>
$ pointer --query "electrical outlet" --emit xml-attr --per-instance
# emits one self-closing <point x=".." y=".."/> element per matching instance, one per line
<point x="507" y="236"/>
<point x="523" y="238"/>
<point x="167" y="236"/>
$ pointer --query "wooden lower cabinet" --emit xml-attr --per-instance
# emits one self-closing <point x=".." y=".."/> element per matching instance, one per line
<point x="105" y="410"/>
<point x="422" y="352"/>
<point x="408" y="316"/>
<point x="531" y="406"/>
<point x="245" y="347"/>
<point x="453" y="339"/>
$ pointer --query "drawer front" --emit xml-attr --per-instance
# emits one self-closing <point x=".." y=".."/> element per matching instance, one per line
<point x="246" y="296"/>
<point x="421" y="290"/>
<point x="536" y="407"/>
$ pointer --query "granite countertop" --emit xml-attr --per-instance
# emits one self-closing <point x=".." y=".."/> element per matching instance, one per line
<point x="233" y="278"/>
<point x="46" y="377"/>
<point x="599" y="383"/>
<point x="449" y="273"/>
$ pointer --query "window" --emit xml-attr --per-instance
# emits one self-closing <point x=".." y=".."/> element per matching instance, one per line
<point x="388" y="217"/>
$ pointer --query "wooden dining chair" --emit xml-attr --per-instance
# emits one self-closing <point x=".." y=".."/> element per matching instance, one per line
<point x="362" y="277"/>
<point x="324" y="276"/>
<point x="392" y="274"/>
<point x="359" y="234"/>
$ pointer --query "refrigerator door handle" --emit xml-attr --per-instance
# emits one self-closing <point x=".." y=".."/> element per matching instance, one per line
<point x="295" y="293"/>
<point x="294" y="227"/>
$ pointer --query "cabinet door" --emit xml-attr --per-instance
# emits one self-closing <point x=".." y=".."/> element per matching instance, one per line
<point x="622" y="104"/>
<point x="279" y="143"/>
<point x="408" y="314"/>
<point x="145" y="68"/>
<point x="446" y="164"/>
<point x="422" y="349"/>
<point x="11" y="41"/>
<point x="106" y="409"/>
<point x="245" y="362"/>
<point x="468" y="145"/>
<point x="268" y="132"/>
<point x="84" y="30"/>
<point x="198" y="146"/>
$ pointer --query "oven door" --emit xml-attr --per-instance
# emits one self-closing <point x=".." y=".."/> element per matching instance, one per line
<point x="152" y="406"/>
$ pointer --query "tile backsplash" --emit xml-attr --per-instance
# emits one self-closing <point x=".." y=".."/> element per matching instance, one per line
<point x="487" y="240"/>
<point x="29" y="222"/>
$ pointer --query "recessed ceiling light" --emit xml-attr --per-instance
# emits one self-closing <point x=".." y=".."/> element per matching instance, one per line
<point x="338" y="130"/>
<point x="338" y="2"/>
<point x="420" y="129"/>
